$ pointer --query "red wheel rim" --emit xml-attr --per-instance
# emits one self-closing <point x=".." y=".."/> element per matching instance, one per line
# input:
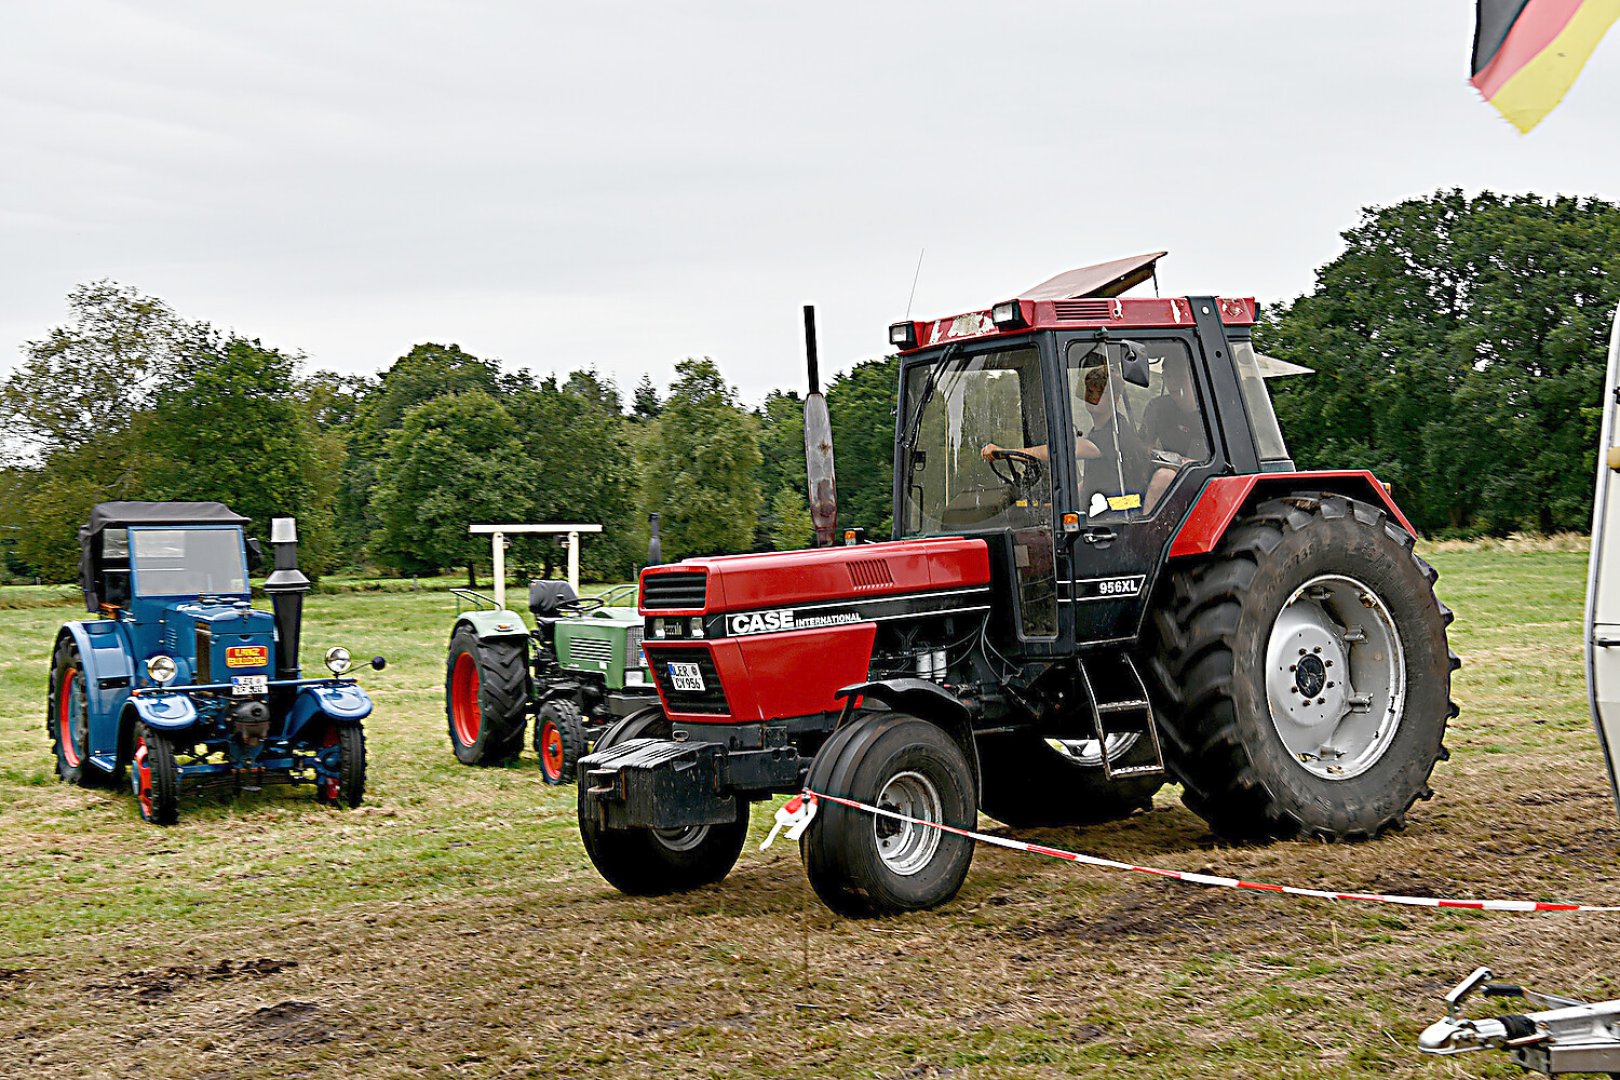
<point x="64" y="715"/>
<point x="551" y="750"/>
<point x="329" y="786"/>
<point x="143" y="778"/>
<point x="464" y="714"/>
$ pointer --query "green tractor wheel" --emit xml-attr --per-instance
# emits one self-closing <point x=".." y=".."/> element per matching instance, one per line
<point x="486" y="690"/>
<point x="559" y="740"/>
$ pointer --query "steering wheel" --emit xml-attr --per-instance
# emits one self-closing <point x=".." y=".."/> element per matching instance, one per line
<point x="1017" y="468"/>
<point x="579" y="605"/>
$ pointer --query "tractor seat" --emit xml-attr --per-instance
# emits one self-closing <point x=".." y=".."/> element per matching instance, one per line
<point x="546" y="596"/>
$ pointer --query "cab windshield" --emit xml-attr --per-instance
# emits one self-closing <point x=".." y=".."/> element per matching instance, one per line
<point x="976" y="444"/>
<point x="188" y="562"/>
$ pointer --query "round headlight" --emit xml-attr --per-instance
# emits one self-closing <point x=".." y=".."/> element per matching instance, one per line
<point x="337" y="659"/>
<point x="161" y="669"/>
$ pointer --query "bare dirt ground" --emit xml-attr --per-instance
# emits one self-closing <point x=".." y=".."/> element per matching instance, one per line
<point x="453" y="927"/>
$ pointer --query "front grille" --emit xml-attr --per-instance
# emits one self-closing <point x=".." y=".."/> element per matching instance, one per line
<point x="1083" y="309"/>
<point x="870" y="573"/>
<point x="711" y="699"/>
<point x="632" y="647"/>
<point x="679" y="591"/>
<point x="205" y="654"/>
<point x="591" y="650"/>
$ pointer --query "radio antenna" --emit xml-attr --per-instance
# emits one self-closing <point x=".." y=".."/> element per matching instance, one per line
<point x="914" y="278"/>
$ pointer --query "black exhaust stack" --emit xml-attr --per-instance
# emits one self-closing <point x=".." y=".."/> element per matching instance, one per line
<point x="286" y="586"/>
<point x="818" y="450"/>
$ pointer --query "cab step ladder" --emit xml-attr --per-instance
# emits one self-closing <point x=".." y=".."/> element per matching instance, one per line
<point x="1119" y="706"/>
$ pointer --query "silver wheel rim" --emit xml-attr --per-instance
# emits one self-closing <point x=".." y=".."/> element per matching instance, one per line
<point x="1088" y="753"/>
<point x="904" y="847"/>
<point x="682" y="839"/>
<point x="1335" y="677"/>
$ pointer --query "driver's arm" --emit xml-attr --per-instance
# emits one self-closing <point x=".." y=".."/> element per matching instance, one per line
<point x="990" y="449"/>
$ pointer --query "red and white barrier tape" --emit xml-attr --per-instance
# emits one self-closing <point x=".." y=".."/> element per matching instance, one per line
<point x="796" y="814"/>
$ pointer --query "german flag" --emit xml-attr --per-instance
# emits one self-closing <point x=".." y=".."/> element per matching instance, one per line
<point x="1527" y="53"/>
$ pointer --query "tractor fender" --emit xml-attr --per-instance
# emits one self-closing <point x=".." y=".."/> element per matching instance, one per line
<point x="492" y="625"/>
<point x="927" y="701"/>
<point x="341" y="703"/>
<point x="163" y="712"/>
<point x="1224" y="498"/>
<point x="109" y="675"/>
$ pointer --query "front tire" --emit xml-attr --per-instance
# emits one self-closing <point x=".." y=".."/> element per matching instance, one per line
<point x="67" y="717"/>
<point x="1027" y="782"/>
<point x="1304" y="674"/>
<point x="348" y="787"/>
<point x="657" y="862"/>
<point x="155" y="777"/>
<point x="863" y="864"/>
<point x="486" y="695"/>
<point x="559" y="740"/>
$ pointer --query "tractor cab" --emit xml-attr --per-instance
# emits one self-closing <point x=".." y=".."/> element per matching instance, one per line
<point x="1073" y="430"/>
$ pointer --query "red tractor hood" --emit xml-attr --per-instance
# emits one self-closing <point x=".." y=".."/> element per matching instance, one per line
<point x="782" y="579"/>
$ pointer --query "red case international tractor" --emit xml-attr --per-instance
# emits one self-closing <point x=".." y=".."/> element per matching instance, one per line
<point x="1105" y="574"/>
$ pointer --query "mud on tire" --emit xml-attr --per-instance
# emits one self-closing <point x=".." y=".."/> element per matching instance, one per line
<point x="1215" y="623"/>
<point x="486" y="693"/>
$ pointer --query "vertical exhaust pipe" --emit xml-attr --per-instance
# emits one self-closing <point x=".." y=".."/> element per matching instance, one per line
<point x="286" y="586"/>
<point x="818" y="449"/>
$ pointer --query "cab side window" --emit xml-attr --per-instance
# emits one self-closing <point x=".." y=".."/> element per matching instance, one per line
<point x="1133" y="441"/>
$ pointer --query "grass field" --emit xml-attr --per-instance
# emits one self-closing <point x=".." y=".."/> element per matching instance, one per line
<point x="453" y="927"/>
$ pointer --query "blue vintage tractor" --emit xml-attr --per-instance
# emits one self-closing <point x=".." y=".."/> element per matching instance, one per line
<point x="181" y="681"/>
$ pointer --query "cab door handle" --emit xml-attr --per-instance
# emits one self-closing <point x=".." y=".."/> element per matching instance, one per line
<point x="1098" y="536"/>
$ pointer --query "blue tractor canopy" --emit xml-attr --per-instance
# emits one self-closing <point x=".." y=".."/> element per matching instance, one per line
<point x="197" y="549"/>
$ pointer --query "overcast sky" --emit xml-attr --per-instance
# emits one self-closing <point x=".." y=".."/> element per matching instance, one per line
<point x="621" y="185"/>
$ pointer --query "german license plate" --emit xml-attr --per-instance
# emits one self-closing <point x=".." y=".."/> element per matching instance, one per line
<point x="245" y="685"/>
<point x="685" y="676"/>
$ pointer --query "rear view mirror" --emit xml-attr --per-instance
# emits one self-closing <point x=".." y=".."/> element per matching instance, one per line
<point x="1133" y="363"/>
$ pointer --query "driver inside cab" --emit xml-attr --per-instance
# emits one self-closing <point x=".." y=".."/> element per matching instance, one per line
<point x="1113" y="460"/>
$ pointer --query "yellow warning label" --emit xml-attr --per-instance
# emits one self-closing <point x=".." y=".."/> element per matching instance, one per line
<point x="1124" y="502"/>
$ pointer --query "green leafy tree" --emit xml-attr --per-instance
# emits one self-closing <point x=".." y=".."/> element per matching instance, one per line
<point x="455" y="460"/>
<point x="1459" y="346"/>
<point x="428" y="371"/>
<point x="91" y="376"/>
<point x="860" y="403"/>
<point x="644" y="405"/>
<point x="582" y="462"/>
<point x="699" y="466"/>
<point x="781" y="469"/>
<point x="790" y="527"/>
<point x="229" y="423"/>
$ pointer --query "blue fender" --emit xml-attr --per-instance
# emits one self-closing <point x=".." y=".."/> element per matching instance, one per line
<point x="109" y="675"/>
<point x="164" y="712"/>
<point x="342" y="703"/>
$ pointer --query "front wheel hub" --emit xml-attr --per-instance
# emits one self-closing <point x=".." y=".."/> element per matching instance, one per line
<point x="906" y="847"/>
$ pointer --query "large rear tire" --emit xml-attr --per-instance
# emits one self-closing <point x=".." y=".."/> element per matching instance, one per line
<point x="1027" y="782"/>
<point x="864" y="864"/>
<point x="657" y="862"/>
<point x="67" y="717"/>
<point x="1303" y="673"/>
<point x="486" y="693"/>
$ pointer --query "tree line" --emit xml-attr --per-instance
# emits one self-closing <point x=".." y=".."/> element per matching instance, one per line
<point x="128" y="400"/>
<point x="1458" y="342"/>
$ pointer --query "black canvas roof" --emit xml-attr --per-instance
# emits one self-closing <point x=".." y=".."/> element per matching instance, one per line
<point x="115" y="514"/>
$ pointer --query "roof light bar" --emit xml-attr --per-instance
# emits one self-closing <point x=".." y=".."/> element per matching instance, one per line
<point x="1008" y="315"/>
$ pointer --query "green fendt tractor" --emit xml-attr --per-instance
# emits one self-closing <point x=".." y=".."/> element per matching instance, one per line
<point x="577" y="671"/>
